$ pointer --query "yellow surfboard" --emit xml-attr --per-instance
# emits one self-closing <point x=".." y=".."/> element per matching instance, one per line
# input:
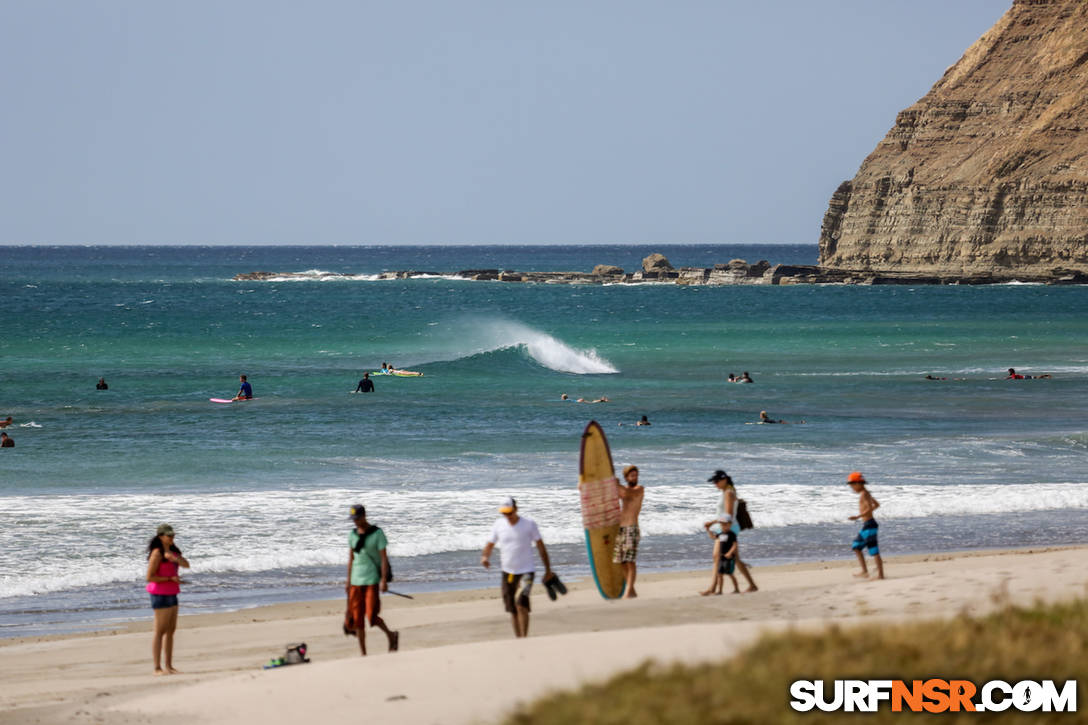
<point x="600" y="510"/>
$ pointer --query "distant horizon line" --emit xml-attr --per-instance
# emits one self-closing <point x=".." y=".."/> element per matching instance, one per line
<point x="411" y="244"/>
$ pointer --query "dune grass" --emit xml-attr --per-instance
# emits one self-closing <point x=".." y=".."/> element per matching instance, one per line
<point x="1015" y="643"/>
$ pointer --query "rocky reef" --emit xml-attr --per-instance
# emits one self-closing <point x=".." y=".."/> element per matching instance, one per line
<point x="986" y="176"/>
<point x="656" y="269"/>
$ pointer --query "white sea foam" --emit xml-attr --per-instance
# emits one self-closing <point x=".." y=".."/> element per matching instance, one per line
<point x="477" y="336"/>
<point x="320" y="275"/>
<point x="277" y="530"/>
<point x="447" y="277"/>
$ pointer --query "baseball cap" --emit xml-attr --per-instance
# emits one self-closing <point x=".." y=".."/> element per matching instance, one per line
<point x="164" y="530"/>
<point x="719" y="475"/>
<point x="508" y="505"/>
<point x="855" y="477"/>
<point x="356" y="511"/>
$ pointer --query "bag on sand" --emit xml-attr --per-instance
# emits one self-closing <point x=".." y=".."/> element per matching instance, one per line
<point x="744" y="519"/>
<point x="295" y="655"/>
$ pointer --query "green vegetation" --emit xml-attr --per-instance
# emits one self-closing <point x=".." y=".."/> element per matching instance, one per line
<point x="1013" y="644"/>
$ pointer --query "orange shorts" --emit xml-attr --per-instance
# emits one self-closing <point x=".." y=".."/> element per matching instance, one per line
<point x="364" y="604"/>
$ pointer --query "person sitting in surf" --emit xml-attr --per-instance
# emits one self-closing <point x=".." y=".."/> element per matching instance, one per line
<point x="245" y="391"/>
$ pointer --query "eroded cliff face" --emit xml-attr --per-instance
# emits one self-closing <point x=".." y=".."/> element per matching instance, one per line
<point x="986" y="174"/>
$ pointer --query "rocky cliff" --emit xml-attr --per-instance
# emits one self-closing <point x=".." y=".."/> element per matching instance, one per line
<point x="987" y="174"/>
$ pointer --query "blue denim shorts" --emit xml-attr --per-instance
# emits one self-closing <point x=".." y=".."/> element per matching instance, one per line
<point x="164" y="601"/>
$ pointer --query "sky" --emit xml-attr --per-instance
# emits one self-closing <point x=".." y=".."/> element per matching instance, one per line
<point x="452" y="121"/>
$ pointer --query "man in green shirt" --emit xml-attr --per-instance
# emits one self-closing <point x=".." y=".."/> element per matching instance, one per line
<point x="368" y="572"/>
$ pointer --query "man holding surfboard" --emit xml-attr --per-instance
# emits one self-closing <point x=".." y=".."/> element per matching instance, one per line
<point x="626" y="549"/>
<point x="516" y="536"/>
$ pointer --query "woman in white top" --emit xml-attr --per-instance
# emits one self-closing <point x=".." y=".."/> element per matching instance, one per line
<point x="726" y="518"/>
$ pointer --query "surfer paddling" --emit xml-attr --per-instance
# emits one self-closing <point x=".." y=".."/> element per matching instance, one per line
<point x="764" y="418"/>
<point x="626" y="549"/>
<point x="516" y="535"/>
<point x="1013" y="375"/>
<point x="866" y="538"/>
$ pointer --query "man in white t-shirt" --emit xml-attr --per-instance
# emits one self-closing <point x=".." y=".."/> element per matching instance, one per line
<point x="515" y="536"/>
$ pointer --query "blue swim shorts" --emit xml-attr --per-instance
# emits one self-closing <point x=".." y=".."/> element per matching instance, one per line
<point x="866" y="538"/>
<point x="164" y="601"/>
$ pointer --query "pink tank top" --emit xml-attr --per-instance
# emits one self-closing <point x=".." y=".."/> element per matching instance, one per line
<point x="166" y="568"/>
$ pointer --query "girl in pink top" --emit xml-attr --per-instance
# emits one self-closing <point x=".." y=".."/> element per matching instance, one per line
<point x="163" y="584"/>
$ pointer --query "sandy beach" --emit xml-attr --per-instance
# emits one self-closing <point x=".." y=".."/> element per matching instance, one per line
<point x="459" y="662"/>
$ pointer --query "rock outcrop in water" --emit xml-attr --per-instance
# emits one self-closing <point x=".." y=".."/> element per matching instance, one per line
<point x="737" y="271"/>
<point x="986" y="177"/>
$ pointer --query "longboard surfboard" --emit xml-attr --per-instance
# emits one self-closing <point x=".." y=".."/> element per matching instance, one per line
<point x="227" y="400"/>
<point x="600" y="510"/>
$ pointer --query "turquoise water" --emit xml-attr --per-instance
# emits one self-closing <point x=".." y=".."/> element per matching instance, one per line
<point x="258" y="490"/>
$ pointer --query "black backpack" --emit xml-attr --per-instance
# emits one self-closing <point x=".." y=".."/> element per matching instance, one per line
<point x="744" y="519"/>
<point x="359" y="547"/>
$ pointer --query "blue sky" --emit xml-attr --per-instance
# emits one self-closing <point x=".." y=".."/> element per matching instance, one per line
<point x="357" y="122"/>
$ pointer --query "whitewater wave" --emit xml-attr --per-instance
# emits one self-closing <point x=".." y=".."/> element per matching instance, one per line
<point x="475" y="336"/>
<point x="321" y="275"/>
<point x="305" y="528"/>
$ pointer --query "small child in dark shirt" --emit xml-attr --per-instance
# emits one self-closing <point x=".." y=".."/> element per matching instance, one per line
<point x="725" y="561"/>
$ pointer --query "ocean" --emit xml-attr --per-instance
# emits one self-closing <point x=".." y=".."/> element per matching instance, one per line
<point x="259" y="492"/>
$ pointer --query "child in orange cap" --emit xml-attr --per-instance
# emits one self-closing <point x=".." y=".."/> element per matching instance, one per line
<point x="866" y="538"/>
